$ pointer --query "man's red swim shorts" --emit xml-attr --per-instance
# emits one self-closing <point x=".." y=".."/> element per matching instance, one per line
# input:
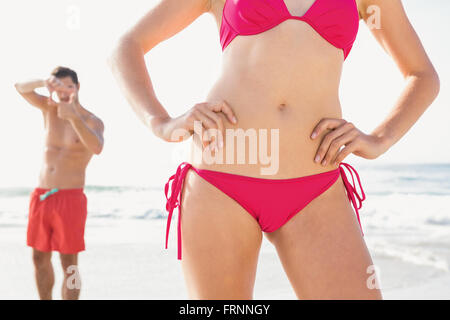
<point x="56" y="220"/>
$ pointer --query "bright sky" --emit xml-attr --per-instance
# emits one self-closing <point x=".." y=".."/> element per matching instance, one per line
<point x="39" y="35"/>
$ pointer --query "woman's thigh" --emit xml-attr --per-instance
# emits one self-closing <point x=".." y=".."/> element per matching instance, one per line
<point x="221" y="243"/>
<point x="323" y="252"/>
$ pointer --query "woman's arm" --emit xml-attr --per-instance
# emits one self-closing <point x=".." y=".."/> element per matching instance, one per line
<point x="400" y="41"/>
<point x="127" y="62"/>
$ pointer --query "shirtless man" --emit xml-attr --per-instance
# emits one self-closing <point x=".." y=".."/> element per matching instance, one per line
<point x="58" y="207"/>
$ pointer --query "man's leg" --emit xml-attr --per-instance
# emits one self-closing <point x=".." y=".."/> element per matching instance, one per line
<point x="68" y="235"/>
<point x="72" y="281"/>
<point x="45" y="277"/>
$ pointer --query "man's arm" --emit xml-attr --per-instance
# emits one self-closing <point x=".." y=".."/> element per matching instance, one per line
<point x="89" y="129"/>
<point x="27" y="90"/>
<point x="90" y="132"/>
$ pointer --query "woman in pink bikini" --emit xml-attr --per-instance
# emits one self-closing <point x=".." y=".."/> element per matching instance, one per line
<point x="281" y="72"/>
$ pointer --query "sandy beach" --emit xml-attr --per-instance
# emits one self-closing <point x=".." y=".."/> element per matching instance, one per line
<point x="125" y="259"/>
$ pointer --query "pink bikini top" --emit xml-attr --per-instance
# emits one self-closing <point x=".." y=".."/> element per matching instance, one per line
<point x="337" y="21"/>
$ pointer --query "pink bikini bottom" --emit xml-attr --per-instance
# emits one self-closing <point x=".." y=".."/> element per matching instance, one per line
<point x="272" y="202"/>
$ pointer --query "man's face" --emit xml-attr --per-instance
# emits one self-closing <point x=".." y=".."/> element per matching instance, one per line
<point x="67" y="89"/>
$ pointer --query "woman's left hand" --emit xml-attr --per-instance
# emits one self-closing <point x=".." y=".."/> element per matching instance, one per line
<point x="345" y="134"/>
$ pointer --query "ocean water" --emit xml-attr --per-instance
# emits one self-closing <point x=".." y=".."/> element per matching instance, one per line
<point x="406" y="216"/>
<point x="406" y="219"/>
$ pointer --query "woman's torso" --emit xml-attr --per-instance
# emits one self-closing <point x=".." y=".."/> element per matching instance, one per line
<point x="285" y="78"/>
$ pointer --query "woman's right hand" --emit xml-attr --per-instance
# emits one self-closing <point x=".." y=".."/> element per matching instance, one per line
<point x="205" y="116"/>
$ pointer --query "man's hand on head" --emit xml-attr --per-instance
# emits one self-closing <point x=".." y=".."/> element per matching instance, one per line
<point x="53" y="84"/>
